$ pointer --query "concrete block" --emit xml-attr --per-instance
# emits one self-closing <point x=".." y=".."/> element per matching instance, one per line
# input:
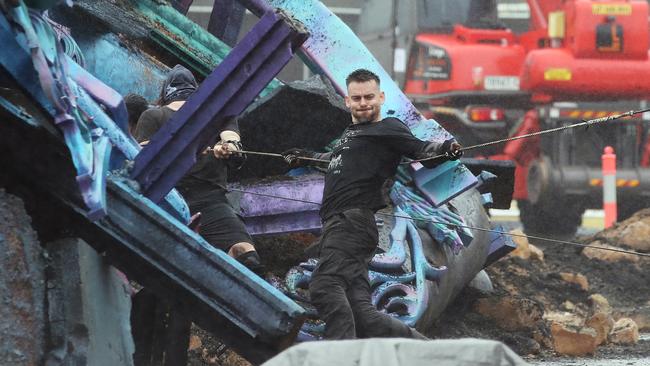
<point x="89" y="308"/>
<point x="22" y="288"/>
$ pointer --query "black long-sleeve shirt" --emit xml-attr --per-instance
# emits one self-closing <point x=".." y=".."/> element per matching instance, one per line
<point x="365" y="156"/>
<point x="208" y="172"/>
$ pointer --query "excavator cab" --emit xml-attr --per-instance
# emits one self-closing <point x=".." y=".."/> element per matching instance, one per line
<point x="443" y="15"/>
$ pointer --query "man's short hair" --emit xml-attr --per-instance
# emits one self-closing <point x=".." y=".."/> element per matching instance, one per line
<point x="361" y="76"/>
<point x="135" y="106"/>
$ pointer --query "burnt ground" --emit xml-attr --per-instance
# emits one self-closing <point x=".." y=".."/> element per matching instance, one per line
<point x="625" y="285"/>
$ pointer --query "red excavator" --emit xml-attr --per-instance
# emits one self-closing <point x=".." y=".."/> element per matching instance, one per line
<point x="484" y="80"/>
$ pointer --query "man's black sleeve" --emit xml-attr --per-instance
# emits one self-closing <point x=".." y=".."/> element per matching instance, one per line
<point x="148" y="124"/>
<point x="400" y="138"/>
<point x="231" y="124"/>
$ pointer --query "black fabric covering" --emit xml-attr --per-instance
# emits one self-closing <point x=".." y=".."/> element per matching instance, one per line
<point x="308" y="114"/>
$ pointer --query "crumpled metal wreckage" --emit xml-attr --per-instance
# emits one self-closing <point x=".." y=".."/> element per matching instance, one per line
<point x="429" y="251"/>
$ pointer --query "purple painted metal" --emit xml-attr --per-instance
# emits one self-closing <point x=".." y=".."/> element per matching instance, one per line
<point x="266" y="214"/>
<point x="225" y="93"/>
<point x="435" y="219"/>
<point x="257" y="7"/>
<point x="441" y="184"/>
<point x="226" y="20"/>
<point x="500" y="245"/>
<point x="102" y="94"/>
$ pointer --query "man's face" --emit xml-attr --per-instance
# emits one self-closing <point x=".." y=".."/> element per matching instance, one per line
<point x="364" y="100"/>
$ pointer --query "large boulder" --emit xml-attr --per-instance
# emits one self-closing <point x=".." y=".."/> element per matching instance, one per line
<point x="633" y="232"/>
<point x="625" y="331"/>
<point x="573" y="341"/>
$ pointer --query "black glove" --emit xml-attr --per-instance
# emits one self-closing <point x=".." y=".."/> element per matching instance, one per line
<point x="292" y="156"/>
<point x="452" y="149"/>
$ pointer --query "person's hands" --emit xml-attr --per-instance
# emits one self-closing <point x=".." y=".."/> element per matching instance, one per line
<point x="455" y="151"/>
<point x="224" y="150"/>
<point x="292" y="156"/>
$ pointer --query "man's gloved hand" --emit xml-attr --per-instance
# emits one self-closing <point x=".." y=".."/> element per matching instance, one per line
<point x="292" y="155"/>
<point x="455" y="151"/>
<point x="452" y="149"/>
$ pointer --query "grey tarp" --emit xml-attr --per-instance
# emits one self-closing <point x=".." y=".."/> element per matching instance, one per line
<point x="398" y="352"/>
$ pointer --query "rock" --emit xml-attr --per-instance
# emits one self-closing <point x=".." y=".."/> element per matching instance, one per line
<point x="195" y="343"/>
<point x="602" y="323"/>
<point x="523" y="247"/>
<point x="625" y="331"/>
<point x="542" y="335"/>
<point x="633" y="232"/>
<point x="573" y="341"/>
<point x="536" y="253"/>
<point x="576" y="278"/>
<point x="640" y="315"/>
<point x="600" y="304"/>
<point x="636" y="235"/>
<point x="568" y="305"/>
<point x="481" y="283"/>
<point x="607" y="255"/>
<point x="511" y="313"/>
<point x="564" y="318"/>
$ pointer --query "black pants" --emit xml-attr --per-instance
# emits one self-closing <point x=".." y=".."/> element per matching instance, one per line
<point x="340" y="289"/>
<point x="220" y="225"/>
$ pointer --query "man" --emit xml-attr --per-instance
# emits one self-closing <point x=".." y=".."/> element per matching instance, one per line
<point x="368" y="153"/>
<point x="135" y="106"/>
<point x="204" y="187"/>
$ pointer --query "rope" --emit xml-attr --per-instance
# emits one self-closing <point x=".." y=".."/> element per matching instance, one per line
<point x="587" y="123"/>
<point x="247" y="152"/>
<point x="554" y="241"/>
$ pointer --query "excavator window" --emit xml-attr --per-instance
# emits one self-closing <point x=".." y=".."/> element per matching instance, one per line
<point x="444" y="14"/>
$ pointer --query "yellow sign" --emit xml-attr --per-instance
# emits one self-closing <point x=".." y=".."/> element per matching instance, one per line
<point x="557" y="75"/>
<point x="611" y="9"/>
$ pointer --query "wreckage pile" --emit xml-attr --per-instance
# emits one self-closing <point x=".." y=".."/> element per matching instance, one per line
<point x="547" y="301"/>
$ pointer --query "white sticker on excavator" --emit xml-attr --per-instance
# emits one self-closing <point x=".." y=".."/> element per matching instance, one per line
<point x="501" y="83"/>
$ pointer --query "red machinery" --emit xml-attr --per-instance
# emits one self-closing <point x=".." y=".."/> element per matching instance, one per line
<point x="578" y="59"/>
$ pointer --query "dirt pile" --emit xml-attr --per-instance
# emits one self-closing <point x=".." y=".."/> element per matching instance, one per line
<point x="594" y="302"/>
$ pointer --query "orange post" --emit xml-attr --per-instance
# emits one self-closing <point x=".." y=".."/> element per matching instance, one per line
<point x="609" y="186"/>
